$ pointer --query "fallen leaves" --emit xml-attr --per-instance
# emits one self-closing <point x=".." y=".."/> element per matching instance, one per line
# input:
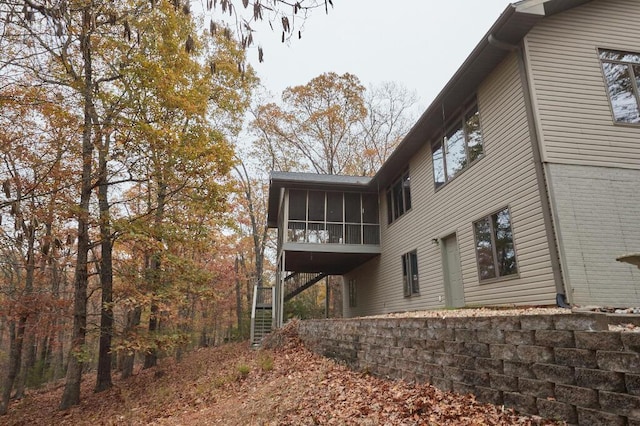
<point x="297" y="388"/>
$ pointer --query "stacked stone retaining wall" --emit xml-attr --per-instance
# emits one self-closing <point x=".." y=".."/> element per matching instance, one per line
<point x="568" y="367"/>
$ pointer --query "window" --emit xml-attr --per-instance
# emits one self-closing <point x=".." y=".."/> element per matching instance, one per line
<point x="622" y="75"/>
<point x="495" y="251"/>
<point x="410" y="274"/>
<point x="460" y="146"/>
<point x="352" y="294"/>
<point x="320" y="217"/>
<point x="399" y="197"/>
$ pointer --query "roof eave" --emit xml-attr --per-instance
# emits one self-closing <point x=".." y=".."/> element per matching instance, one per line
<point x="504" y="35"/>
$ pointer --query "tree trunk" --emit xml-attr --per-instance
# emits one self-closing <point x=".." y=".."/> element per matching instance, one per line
<point x="238" y="298"/>
<point x="128" y="359"/>
<point x="28" y="362"/>
<point x="15" y="355"/>
<point x="151" y="357"/>
<point x="71" y="393"/>
<point x="103" y="379"/>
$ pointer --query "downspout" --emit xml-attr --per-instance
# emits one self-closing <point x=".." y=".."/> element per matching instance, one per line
<point x="561" y="298"/>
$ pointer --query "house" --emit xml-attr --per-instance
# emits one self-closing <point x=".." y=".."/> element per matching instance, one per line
<point x="519" y="185"/>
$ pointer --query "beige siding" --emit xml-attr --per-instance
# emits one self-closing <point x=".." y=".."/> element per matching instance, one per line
<point x="575" y="121"/>
<point x="504" y="177"/>
<point x="597" y="214"/>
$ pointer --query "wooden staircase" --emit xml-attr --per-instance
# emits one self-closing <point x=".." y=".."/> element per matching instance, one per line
<point x="298" y="282"/>
<point x="263" y="313"/>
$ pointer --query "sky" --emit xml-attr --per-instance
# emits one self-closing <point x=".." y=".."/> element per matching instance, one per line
<point x="417" y="43"/>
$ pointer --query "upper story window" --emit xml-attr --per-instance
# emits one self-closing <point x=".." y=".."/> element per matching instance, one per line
<point x="495" y="251"/>
<point x="460" y="146"/>
<point x="399" y="197"/>
<point x="622" y="74"/>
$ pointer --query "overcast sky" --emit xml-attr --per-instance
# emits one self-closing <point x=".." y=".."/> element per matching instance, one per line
<point x="419" y="43"/>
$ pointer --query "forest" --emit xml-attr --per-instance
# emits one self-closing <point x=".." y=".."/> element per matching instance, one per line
<point x="135" y="146"/>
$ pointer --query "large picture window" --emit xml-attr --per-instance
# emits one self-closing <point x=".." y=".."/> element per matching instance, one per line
<point x="410" y="274"/>
<point x="399" y="197"/>
<point x="460" y="146"/>
<point x="495" y="251"/>
<point x="622" y="75"/>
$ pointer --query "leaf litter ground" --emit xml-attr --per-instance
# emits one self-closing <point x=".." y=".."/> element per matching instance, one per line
<point x="285" y="385"/>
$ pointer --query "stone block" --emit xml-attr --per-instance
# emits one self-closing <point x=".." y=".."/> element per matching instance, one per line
<point x="554" y="410"/>
<point x="463" y="335"/>
<point x="620" y="403"/>
<point x="518" y="369"/>
<point x="395" y="352"/>
<point x="536" y="322"/>
<point x="588" y="416"/>
<point x="489" y="395"/>
<point x="586" y="321"/>
<point x="433" y="345"/>
<point x="404" y="342"/>
<point x="426" y="356"/>
<point x="464" y="362"/>
<point x="408" y="376"/>
<point x="533" y="354"/>
<point x="525" y="404"/>
<point x="572" y="357"/>
<point x="442" y="359"/>
<point x="519" y="337"/>
<point x="505" y="323"/>
<point x="503" y="383"/>
<point x="462" y="388"/>
<point x="598" y="340"/>
<point x="554" y="373"/>
<point x="480" y="323"/>
<point x="632" y="383"/>
<point x="453" y="373"/>
<point x="436" y="323"/>
<point x="489" y="365"/>
<point x="440" y="334"/>
<point x="625" y="362"/>
<point x="431" y="370"/>
<point x="538" y="388"/>
<point x="580" y="397"/>
<point x="475" y="378"/>
<point x="457" y="322"/>
<point x="493" y="335"/>
<point x="442" y="383"/>
<point x="409" y="353"/>
<point x="476" y="349"/>
<point x="454" y="347"/>
<point x="631" y="341"/>
<point x="555" y="338"/>
<point x="600" y="379"/>
<point x="504" y="352"/>
<point x="412" y="323"/>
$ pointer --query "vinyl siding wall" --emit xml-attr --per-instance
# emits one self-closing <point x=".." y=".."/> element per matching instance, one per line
<point x="575" y="123"/>
<point x="504" y="177"/>
<point x="592" y="165"/>
<point x="598" y="211"/>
